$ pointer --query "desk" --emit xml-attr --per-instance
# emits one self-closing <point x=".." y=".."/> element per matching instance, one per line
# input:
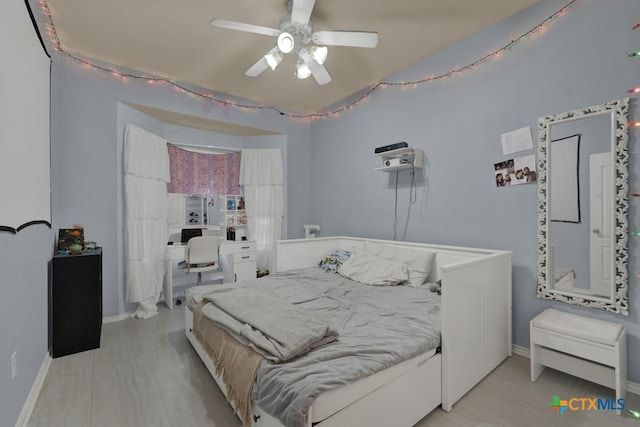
<point x="237" y="262"/>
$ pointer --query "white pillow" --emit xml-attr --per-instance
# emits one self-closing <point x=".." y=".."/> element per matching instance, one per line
<point x="372" y="270"/>
<point x="418" y="262"/>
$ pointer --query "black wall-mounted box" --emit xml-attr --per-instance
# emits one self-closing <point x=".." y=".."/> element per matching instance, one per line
<point x="390" y="147"/>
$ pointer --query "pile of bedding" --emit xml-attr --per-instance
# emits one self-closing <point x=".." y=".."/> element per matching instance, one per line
<point x="277" y="330"/>
<point x="377" y="327"/>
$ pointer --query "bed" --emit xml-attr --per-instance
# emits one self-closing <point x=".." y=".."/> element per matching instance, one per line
<point x="474" y="316"/>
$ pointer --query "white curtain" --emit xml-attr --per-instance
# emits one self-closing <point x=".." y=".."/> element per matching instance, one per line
<point x="261" y="175"/>
<point x="146" y="168"/>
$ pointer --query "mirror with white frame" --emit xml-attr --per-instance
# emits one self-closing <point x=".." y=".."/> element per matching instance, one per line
<point x="191" y="210"/>
<point x="582" y="206"/>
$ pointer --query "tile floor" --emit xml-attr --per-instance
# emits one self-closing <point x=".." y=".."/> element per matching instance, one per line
<point x="147" y="374"/>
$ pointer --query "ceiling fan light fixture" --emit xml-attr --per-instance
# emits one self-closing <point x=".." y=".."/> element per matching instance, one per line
<point x="295" y="35"/>
<point x="302" y="70"/>
<point x="273" y="58"/>
<point x="319" y="53"/>
<point x="285" y="42"/>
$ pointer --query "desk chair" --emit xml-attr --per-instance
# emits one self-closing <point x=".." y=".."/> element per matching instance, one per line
<point x="202" y="255"/>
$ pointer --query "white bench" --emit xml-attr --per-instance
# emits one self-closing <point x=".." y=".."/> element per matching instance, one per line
<point x="588" y="348"/>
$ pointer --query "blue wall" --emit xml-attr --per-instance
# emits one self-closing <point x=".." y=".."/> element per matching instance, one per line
<point x="24" y="256"/>
<point x="24" y="273"/>
<point x="580" y="60"/>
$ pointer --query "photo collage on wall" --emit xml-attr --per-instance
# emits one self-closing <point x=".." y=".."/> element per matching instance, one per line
<point x="516" y="171"/>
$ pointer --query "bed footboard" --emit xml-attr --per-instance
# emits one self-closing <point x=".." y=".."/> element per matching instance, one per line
<point x="402" y="402"/>
<point x="476" y="322"/>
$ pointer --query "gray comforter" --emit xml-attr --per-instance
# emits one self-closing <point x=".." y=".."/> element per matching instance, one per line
<point x="278" y="330"/>
<point x="378" y="327"/>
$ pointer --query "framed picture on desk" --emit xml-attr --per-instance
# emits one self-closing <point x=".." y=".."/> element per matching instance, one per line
<point x="68" y="237"/>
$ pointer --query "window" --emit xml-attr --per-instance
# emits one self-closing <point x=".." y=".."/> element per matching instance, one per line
<point x="203" y="173"/>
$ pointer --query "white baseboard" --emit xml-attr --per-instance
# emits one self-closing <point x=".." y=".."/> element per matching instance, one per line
<point x="30" y="403"/>
<point x="524" y="352"/>
<point x="521" y="351"/>
<point x="117" y="318"/>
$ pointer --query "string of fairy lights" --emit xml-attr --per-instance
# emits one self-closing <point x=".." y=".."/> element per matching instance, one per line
<point x="227" y="103"/>
<point x="635" y="90"/>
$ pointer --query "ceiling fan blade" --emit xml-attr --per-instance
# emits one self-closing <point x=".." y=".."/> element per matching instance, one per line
<point x="240" y="26"/>
<point x="317" y="71"/>
<point x="301" y="11"/>
<point x="257" y="68"/>
<point x="263" y="63"/>
<point x="346" y="38"/>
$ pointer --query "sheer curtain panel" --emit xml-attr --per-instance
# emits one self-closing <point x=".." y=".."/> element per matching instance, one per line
<point x="261" y="175"/>
<point x="146" y="168"/>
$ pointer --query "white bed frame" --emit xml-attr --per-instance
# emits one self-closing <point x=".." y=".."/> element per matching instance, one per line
<point x="476" y="333"/>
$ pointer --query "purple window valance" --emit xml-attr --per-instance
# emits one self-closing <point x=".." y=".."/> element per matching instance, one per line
<point x="200" y="173"/>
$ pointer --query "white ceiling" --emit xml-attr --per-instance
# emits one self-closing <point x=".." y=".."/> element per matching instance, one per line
<point x="174" y="118"/>
<point x="173" y="39"/>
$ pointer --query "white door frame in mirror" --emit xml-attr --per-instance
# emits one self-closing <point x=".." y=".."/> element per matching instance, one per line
<point x="618" y="303"/>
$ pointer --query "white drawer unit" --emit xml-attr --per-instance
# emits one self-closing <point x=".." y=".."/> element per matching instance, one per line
<point x="239" y="264"/>
<point x="244" y="257"/>
<point x="246" y="246"/>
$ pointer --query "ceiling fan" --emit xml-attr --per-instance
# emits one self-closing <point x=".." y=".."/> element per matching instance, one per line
<point x="296" y="35"/>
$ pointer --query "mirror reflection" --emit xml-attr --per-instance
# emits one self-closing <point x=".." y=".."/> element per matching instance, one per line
<point x="191" y="210"/>
<point x="582" y="206"/>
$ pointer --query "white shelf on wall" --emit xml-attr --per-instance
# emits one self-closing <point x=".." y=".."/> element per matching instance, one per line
<point x="234" y="216"/>
<point x="402" y="158"/>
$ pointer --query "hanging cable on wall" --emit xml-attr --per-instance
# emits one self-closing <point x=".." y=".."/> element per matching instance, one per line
<point x="395" y="157"/>
<point x="413" y="197"/>
<point x="413" y="192"/>
<point x="395" y="208"/>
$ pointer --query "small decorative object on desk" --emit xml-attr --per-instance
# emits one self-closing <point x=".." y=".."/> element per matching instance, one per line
<point x="231" y="233"/>
<point x="75" y="248"/>
<point x="71" y="239"/>
<point x="90" y="246"/>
